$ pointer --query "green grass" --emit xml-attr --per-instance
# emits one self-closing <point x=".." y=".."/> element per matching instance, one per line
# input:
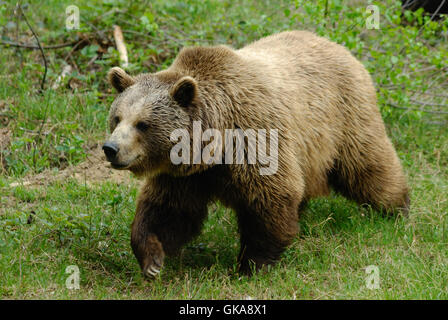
<point x="45" y="228"/>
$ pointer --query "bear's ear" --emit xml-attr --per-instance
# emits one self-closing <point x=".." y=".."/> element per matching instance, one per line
<point x="184" y="91"/>
<point x="119" y="79"/>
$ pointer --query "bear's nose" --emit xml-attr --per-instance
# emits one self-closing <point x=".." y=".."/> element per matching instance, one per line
<point x="111" y="150"/>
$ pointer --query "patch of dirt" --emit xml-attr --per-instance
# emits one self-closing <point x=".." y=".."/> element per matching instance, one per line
<point x="95" y="169"/>
<point x="5" y="140"/>
<point x="5" y="115"/>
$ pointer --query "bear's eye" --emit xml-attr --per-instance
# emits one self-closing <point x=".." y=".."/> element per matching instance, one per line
<point x="117" y="120"/>
<point x="142" y="126"/>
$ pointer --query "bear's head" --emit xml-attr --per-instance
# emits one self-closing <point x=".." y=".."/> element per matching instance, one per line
<point x="143" y="116"/>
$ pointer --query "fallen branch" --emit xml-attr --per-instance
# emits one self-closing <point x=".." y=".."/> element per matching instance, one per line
<point x="121" y="47"/>
<point x="33" y="47"/>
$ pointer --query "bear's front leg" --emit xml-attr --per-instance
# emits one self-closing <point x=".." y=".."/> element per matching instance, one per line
<point x="170" y="213"/>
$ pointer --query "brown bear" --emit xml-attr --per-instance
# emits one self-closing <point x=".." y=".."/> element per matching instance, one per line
<point x="313" y="92"/>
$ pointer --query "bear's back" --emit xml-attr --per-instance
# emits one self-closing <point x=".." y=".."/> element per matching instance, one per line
<point x="309" y="61"/>
<point x="329" y="94"/>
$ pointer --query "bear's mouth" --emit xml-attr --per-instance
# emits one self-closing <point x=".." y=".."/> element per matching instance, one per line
<point x="118" y="165"/>
<point x="123" y="166"/>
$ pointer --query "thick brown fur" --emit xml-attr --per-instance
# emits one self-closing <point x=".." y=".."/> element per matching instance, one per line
<point x="331" y="135"/>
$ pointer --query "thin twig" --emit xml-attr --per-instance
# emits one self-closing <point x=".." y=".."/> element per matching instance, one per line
<point x="100" y="33"/>
<point x="42" y="85"/>
<point x="429" y="103"/>
<point x="437" y="123"/>
<point x="428" y="93"/>
<point x="416" y="109"/>
<point x="437" y="10"/>
<point x="44" y="120"/>
<point x="74" y="48"/>
<point x="17" y="51"/>
<point x="432" y="17"/>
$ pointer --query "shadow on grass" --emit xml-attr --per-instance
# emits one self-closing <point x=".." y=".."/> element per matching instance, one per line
<point x="336" y="214"/>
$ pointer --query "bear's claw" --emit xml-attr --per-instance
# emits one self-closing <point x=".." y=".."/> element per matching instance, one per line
<point x="151" y="271"/>
<point x="152" y="256"/>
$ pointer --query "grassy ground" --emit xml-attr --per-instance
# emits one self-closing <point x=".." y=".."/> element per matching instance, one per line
<point x="51" y="218"/>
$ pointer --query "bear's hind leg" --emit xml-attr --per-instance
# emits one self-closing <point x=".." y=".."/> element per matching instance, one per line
<point x="264" y="234"/>
<point x="372" y="174"/>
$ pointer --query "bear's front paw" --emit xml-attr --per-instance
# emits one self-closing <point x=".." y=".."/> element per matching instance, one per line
<point x="152" y="257"/>
<point x="152" y="268"/>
